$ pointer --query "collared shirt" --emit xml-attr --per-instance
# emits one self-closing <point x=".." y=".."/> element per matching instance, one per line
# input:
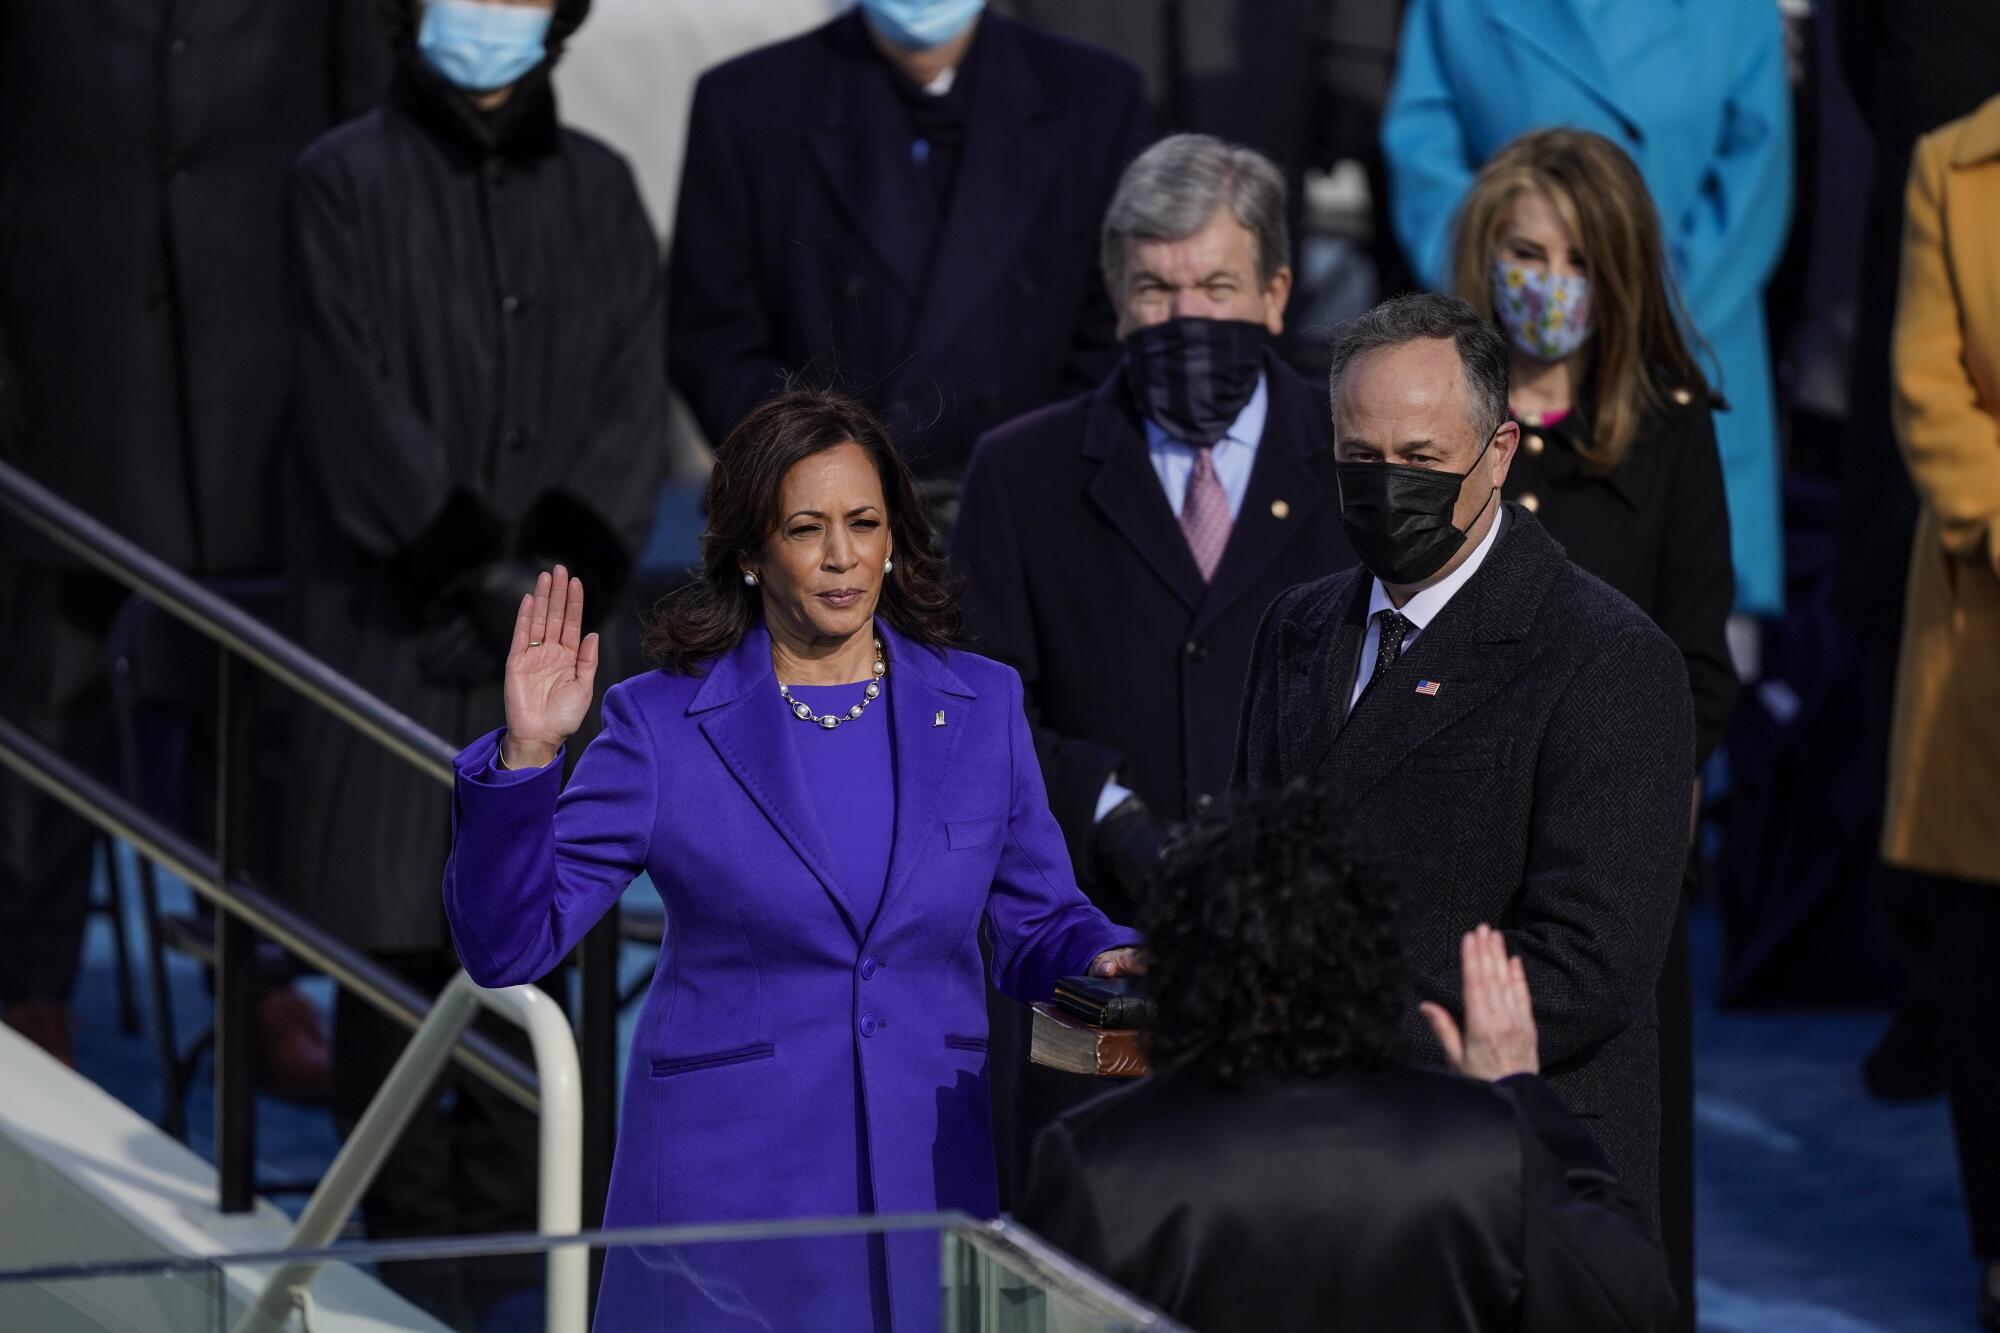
<point x="1234" y="454"/>
<point x="1420" y="610"/>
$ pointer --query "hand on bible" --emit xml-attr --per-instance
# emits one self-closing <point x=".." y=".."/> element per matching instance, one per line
<point x="1124" y="962"/>
<point x="551" y="671"/>
<point x="1499" y="1037"/>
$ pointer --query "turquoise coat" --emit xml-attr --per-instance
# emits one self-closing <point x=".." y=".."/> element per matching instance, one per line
<point x="1695" y="91"/>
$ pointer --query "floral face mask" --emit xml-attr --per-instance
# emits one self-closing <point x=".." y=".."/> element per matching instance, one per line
<point x="1547" y="317"/>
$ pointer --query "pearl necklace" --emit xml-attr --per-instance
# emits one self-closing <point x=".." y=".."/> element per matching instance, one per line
<point x="829" y="721"/>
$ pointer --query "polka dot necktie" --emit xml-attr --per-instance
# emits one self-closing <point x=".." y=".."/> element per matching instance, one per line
<point x="1395" y="627"/>
<point x="1205" y="520"/>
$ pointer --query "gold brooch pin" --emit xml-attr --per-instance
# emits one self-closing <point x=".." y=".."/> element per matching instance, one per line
<point x="1280" y="509"/>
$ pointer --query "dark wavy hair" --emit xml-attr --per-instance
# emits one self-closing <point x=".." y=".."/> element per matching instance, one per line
<point x="1274" y="947"/>
<point x="709" y="616"/>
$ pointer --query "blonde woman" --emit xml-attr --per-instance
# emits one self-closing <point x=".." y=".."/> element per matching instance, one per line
<point x="1559" y="239"/>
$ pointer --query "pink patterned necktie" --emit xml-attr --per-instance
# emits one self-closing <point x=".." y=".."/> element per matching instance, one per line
<point x="1205" y="518"/>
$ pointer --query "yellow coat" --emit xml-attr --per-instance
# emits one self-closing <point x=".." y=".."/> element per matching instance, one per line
<point x="1944" y="759"/>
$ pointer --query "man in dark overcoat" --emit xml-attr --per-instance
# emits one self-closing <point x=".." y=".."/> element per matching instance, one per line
<point x="481" y="392"/>
<point x="1091" y="567"/>
<point x="143" y="152"/>
<point x="1512" y="737"/>
<point x="913" y="223"/>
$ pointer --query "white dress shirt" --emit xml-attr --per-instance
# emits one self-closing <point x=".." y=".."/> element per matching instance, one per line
<point x="1173" y="463"/>
<point x="1420" y="610"/>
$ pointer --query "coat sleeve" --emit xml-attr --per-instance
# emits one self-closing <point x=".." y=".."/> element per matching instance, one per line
<point x="719" y="336"/>
<point x="1041" y="926"/>
<point x="533" y="866"/>
<point x="1697" y="583"/>
<point x="1589" y="1261"/>
<point x="1607" y="850"/>
<point x="1057" y="1205"/>
<point x="1950" y="437"/>
<point x="1726" y="244"/>
<point x="1430" y="160"/>
<point x="986" y="548"/>
<point x="598" y="520"/>
<point x="382" y="471"/>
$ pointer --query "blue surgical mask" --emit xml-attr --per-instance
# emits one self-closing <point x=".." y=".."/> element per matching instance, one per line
<point x="918" y="25"/>
<point x="480" y="46"/>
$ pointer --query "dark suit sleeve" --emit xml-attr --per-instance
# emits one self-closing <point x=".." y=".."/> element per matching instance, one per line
<point x="1697" y="585"/>
<point x="1057" y="1205"/>
<point x="1093" y="348"/>
<point x="1607" y="849"/>
<point x="1589" y="1260"/>
<point x="719" y="337"/>
<point x="1257" y="729"/>
<point x="986" y="548"/>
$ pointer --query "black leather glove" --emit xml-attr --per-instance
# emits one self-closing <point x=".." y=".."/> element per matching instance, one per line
<point x="559" y="527"/>
<point x="472" y="624"/>
<point x="464" y="535"/>
<point x="1126" y="855"/>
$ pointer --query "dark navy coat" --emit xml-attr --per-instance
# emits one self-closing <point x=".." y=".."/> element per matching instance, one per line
<point x="801" y="243"/>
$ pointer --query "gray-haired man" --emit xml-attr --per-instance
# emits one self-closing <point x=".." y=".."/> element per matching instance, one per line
<point x="1122" y="546"/>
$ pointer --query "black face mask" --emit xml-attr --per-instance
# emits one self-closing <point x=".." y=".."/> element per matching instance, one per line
<point x="1192" y="376"/>
<point x="1398" y="516"/>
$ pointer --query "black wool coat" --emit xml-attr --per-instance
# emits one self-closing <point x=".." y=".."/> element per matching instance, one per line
<point x="143" y="152"/>
<point x="1079" y="578"/>
<point x="1399" y="1200"/>
<point x="1656" y="528"/>
<point x="1543" y="789"/>
<point x="805" y="244"/>
<point x="480" y="381"/>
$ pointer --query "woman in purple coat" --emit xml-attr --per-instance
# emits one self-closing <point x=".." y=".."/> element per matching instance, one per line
<point x="835" y="806"/>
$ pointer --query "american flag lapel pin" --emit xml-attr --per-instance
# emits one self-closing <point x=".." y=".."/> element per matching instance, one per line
<point x="1429" y="687"/>
<point x="940" y="719"/>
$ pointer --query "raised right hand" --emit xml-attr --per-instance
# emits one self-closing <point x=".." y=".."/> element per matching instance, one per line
<point x="1499" y="1037"/>
<point x="551" y="671"/>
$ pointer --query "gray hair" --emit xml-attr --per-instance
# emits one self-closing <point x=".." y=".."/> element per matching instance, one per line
<point x="1173" y="189"/>
<point x="1482" y="352"/>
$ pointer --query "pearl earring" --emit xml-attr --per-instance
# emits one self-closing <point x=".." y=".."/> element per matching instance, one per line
<point x="888" y="566"/>
<point x="749" y="579"/>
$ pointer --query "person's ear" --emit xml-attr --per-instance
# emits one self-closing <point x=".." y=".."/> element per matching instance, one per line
<point x="1277" y="294"/>
<point x="1500" y="454"/>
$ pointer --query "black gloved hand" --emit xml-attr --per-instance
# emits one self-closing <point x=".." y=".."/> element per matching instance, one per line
<point x="452" y="653"/>
<point x="471" y="625"/>
<point x="1126" y="855"/>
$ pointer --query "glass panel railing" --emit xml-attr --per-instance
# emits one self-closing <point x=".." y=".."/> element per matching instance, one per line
<point x="930" y="1274"/>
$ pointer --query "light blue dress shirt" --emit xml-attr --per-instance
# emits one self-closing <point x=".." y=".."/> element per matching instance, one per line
<point x="1173" y="462"/>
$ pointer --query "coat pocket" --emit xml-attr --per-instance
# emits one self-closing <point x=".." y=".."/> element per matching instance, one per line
<point x="668" y="1066"/>
<point x="968" y="834"/>
<point x="966" y="1043"/>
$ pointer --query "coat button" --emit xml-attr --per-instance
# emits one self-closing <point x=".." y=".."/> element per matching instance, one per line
<point x="1196" y="650"/>
<point x="1534" y="443"/>
<point x="869" y="1025"/>
<point x="1204" y="803"/>
<point x="1531" y="502"/>
<point x="516" y="439"/>
<point x="510" y="304"/>
<point x="852" y="286"/>
<point x="178" y="46"/>
<point x="869" y="967"/>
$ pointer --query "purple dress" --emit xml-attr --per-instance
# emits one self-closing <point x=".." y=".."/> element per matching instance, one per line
<point x="804" y="1050"/>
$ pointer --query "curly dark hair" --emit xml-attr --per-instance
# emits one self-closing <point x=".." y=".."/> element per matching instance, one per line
<point x="1274" y="947"/>
<point x="696" y="623"/>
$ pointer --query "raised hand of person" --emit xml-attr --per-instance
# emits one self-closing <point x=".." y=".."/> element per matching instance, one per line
<point x="551" y="672"/>
<point x="1499" y="1037"/>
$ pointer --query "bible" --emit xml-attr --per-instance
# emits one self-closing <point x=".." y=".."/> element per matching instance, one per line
<point x="1062" y="1041"/>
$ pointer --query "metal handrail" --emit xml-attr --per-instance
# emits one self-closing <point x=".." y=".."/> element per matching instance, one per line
<point x="242" y="909"/>
<point x="566" y="1303"/>
<point x="111" y="813"/>
<point x="224" y="623"/>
